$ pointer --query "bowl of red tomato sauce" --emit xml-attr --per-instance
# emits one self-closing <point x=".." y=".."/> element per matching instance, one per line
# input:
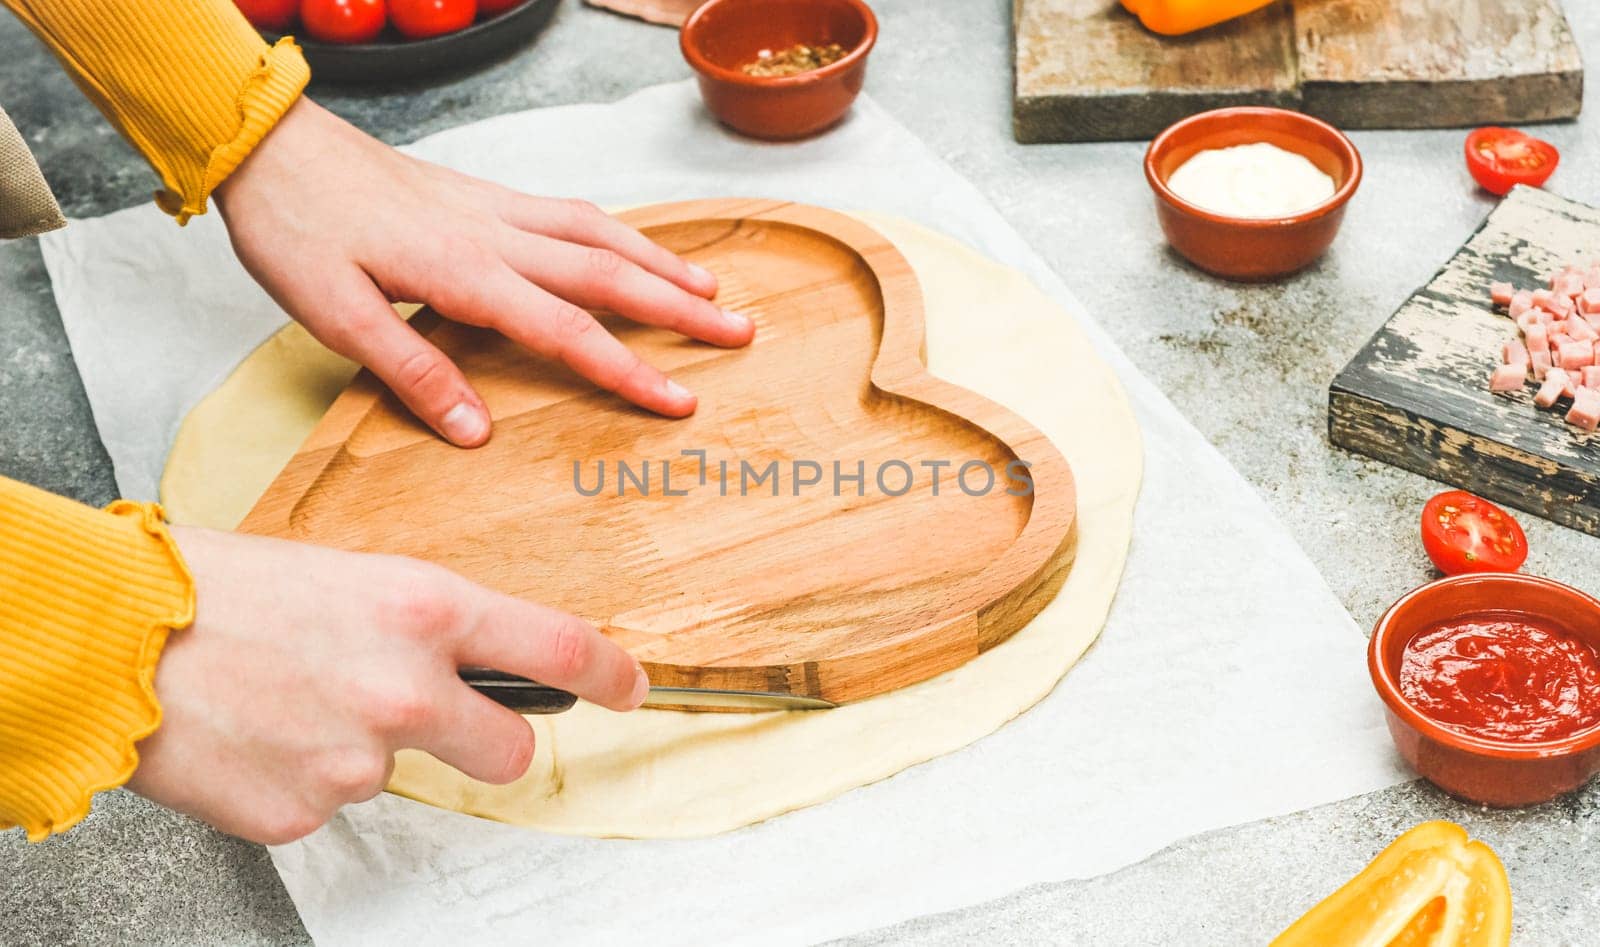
<point x="1491" y="684"/>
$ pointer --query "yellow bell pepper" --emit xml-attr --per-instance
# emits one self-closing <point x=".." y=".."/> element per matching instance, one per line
<point x="1175" y="17"/>
<point x="1430" y="888"/>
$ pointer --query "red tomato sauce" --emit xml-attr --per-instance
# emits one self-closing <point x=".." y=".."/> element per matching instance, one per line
<point x="1504" y="677"/>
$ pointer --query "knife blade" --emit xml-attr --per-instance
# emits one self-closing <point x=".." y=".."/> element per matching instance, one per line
<point x="530" y="697"/>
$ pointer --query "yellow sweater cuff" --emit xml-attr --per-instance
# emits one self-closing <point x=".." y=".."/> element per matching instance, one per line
<point x="87" y="599"/>
<point x="267" y="93"/>
<point x="188" y="82"/>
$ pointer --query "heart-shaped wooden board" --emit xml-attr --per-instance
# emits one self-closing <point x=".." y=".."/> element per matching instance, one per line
<point x="836" y="589"/>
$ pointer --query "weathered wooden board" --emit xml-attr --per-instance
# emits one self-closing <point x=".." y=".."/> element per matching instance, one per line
<point x="733" y="554"/>
<point x="1086" y="70"/>
<point x="1417" y="395"/>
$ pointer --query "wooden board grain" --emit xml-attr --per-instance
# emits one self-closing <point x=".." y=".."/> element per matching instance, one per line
<point x="1436" y="63"/>
<point x="1087" y="70"/>
<point x="839" y="590"/>
<point x="1417" y="394"/>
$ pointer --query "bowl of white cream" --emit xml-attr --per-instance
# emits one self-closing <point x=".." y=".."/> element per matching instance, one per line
<point x="1251" y="193"/>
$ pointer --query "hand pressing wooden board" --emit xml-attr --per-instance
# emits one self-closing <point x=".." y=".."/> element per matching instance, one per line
<point x="1417" y="396"/>
<point x="661" y="773"/>
<point x="792" y="536"/>
<point x="1086" y="70"/>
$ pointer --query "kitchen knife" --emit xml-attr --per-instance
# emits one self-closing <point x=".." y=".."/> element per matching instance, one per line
<point x="530" y="697"/>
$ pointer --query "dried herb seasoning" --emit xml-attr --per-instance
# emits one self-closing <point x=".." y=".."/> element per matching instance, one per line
<point x="794" y="60"/>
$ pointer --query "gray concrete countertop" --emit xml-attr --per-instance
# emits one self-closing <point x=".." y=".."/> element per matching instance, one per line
<point x="1249" y="366"/>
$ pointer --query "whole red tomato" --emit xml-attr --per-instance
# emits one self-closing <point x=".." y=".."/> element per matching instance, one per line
<point x="419" y="19"/>
<point x="343" y="21"/>
<point x="274" y="15"/>
<point x="488" y="8"/>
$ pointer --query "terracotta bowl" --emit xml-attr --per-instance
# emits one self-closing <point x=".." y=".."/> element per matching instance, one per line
<point x="1244" y="248"/>
<point x="1491" y="772"/>
<point x="723" y="35"/>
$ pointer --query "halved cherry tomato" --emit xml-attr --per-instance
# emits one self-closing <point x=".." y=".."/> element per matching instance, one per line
<point x="1501" y="157"/>
<point x="274" y="15"/>
<point x="1466" y="533"/>
<point x="488" y="8"/>
<point x="419" y="19"/>
<point x="343" y="21"/>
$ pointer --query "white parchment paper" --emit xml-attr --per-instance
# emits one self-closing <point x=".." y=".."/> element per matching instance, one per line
<point x="1229" y="684"/>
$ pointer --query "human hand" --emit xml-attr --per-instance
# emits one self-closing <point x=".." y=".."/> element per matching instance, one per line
<point x="335" y="225"/>
<point x="307" y="668"/>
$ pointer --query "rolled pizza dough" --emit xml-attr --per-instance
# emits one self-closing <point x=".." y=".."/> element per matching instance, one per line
<point x="665" y="774"/>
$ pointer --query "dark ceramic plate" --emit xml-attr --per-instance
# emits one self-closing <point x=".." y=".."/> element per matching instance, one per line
<point x="393" y="58"/>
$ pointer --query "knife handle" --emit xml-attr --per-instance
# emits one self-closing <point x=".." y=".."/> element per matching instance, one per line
<point x="518" y="693"/>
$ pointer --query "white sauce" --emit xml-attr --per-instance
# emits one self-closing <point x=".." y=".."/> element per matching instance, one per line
<point x="1256" y="180"/>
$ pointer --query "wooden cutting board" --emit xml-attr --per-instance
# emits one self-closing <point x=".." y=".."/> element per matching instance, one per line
<point x="831" y="590"/>
<point x="1086" y="70"/>
<point x="1418" y="396"/>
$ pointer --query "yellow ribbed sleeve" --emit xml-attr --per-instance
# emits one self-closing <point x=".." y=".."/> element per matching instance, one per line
<point x="87" y="598"/>
<point x="188" y="82"/>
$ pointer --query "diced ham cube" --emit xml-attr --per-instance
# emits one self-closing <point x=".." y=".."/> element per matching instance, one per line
<point x="1514" y="353"/>
<point x="1585" y="411"/>
<point x="1521" y="302"/>
<point x="1527" y="319"/>
<point x="1579" y="328"/>
<point x="1591" y="376"/>
<point x="1576" y="354"/>
<point x="1557" y="340"/>
<point x="1500" y="293"/>
<point x="1569" y="285"/>
<point x="1508" y="378"/>
<point x="1562" y="273"/>
<point x="1555" y="384"/>
<point x="1538" y="339"/>
<point x="1539" y="359"/>
<point x="1551" y="300"/>
<point x="1558" y="332"/>
<point x="1589" y="302"/>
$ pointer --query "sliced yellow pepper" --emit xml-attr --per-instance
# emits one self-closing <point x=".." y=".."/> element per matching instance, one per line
<point x="1430" y="888"/>
<point x="1174" y="17"/>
